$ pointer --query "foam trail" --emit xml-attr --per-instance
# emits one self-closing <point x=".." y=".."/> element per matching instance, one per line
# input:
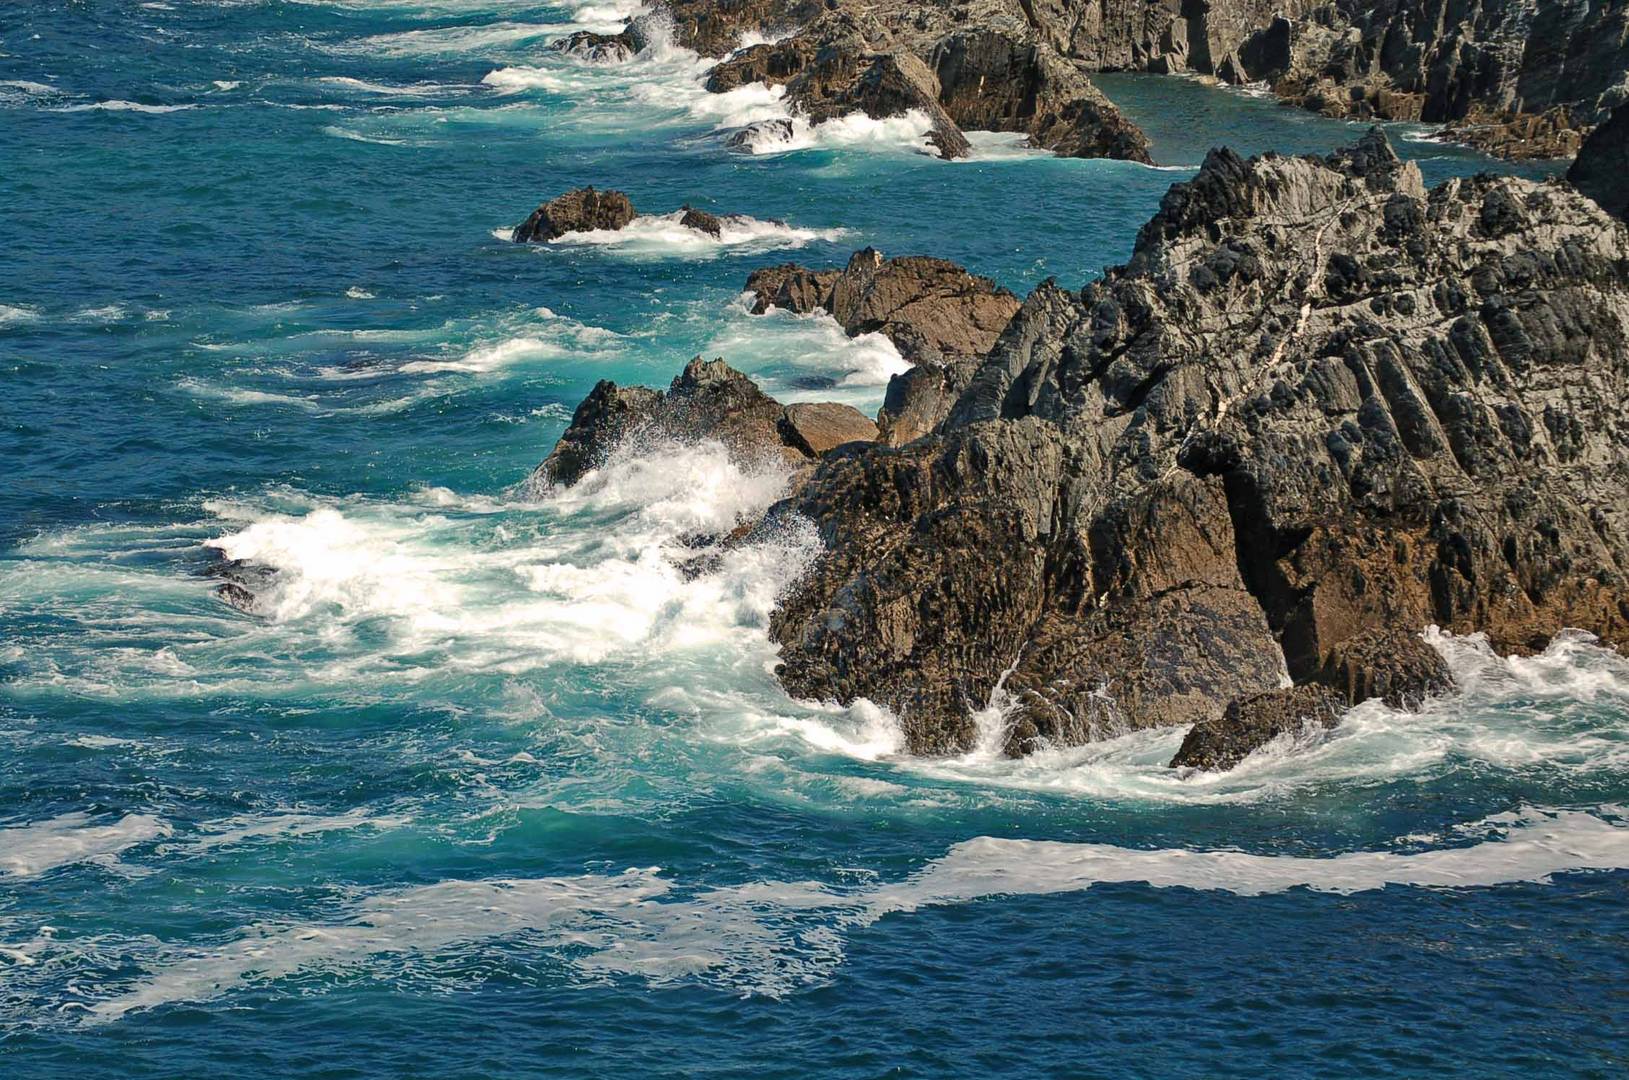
<point x="126" y="106"/>
<point x="655" y="235"/>
<point x="30" y="850"/>
<point x="773" y="937"/>
<point x="854" y="131"/>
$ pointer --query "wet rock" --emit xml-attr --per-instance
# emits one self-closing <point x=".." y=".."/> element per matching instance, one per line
<point x="702" y="222"/>
<point x="708" y="400"/>
<point x="763" y="134"/>
<point x="1398" y="668"/>
<point x="1602" y="168"/>
<point x="581" y="210"/>
<point x="597" y="48"/>
<point x="918" y="400"/>
<point x="1320" y="409"/>
<point x="818" y="427"/>
<point x="932" y="310"/>
<point x="1249" y="723"/>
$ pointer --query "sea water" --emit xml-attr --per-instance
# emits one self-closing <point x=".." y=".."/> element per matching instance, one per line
<point x="487" y="785"/>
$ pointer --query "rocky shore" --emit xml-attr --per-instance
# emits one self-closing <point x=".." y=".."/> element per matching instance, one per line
<point x="1320" y="409"/>
<point x="1517" y="78"/>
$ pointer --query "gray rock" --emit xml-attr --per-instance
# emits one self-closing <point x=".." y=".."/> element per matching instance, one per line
<point x="1319" y="403"/>
<point x="1602" y="168"/>
<point x="819" y="427"/>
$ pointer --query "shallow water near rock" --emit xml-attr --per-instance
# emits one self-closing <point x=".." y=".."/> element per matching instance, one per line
<point x="487" y="785"/>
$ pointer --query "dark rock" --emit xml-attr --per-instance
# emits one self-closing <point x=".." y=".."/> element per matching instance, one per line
<point x="1602" y="168"/>
<point x="1318" y="404"/>
<point x="597" y="48"/>
<point x="582" y="210"/>
<point x="931" y="309"/>
<point x="918" y="400"/>
<point x="708" y="400"/>
<point x="818" y="427"/>
<point x="1252" y="722"/>
<point x="702" y="221"/>
<point x="762" y="133"/>
<point x="1397" y="667"/>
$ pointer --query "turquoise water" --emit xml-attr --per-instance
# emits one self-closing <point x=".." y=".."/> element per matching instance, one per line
<point x="487" y="788"/>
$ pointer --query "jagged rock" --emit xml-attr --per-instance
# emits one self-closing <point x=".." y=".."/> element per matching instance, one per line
<point x="818" y="427"/>
<point x="1602" y="168"/>
<point x="702" y="221"/>
<point x="1252" y="722"/>
<point x="1397" y="667"/>
<point x="918" y="400"/>
<point x="581" y="210"/>
<point x="762" y="133"/>
<point x="984" y="70"/>
<point x="602" y="420"/>
<point x="931" y="309"/>
<point x="708" y="400"/>
<point x="597" y="48"/>
<point x="1318" y="402"/>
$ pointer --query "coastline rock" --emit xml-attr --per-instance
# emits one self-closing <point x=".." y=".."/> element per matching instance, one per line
<point x="708" y="400"/>
<point x="1252" y="722"/>
<point x="931" y="309"/>
<point x="1318" y="402"/>
<point x="581" y="210"/>
<point x="1397" y="667"/>
<point x="1602" y="168"/>
<point x="702" y="221"/>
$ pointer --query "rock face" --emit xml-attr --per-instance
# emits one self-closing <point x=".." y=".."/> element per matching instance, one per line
<point x="1602" y="168"/>
<point x="982" y="67"/>
<point x="932" y="310"/>
<point x="1319" y="403"/>
<point x="708" y="400"/>
<point x="1522" y="78"/>
<point x="596" y="48"/>
<point x="1252" y="722"/>
<point x="582" y="210"/>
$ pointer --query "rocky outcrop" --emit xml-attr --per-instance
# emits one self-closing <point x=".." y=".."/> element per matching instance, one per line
<point x="596" y="48"/>
<point x="588" y="210"/>
<point x="1250" y="723"/>
<point x="1318" y="404"/>
<point x="580" y="210"/>
<point x="1602" y="168"/>
<point x="708" y="400"/>
<point x="1393" y="665"/>
<point x="985" y="70"/>
<point x="933" y="311"/>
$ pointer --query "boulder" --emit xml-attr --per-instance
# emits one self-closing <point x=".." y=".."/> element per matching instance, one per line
<point x="1397" y="667"/>
<point x="702" y="221"/>
<point x="818" y="427"/>
<point x="581" y="210"/>
<point x="602" y="420"/>
<point x="1249" y="723"/>
<point x="597" y="48"/>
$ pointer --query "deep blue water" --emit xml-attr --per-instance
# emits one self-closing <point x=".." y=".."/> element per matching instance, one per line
<point x="488" y="788"/>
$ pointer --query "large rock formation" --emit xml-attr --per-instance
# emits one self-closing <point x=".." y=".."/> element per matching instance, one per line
<point x="983" y="69"/>
<point x="1318" y="403"/>
<point x="1522" y="78"/>
<point x="1602" y="168"/>
<point x="579" y="210"/>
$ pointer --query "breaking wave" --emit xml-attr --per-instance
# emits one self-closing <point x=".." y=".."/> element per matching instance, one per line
<point x="661" y="235"/>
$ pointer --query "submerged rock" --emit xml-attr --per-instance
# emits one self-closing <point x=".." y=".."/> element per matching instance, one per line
<point x="1252" y="722"/>
<point x="597" y="48"/>
<point x="1318" y="404"/>
<point x="581" y="210"/>
<point x="702" y="221"/>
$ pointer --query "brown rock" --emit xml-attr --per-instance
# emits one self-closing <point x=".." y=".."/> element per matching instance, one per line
<point x="1398" y="668"/>
<point x="582" y="210"/>
<point x="702" y="221"/>
<point x="818" y="427"/>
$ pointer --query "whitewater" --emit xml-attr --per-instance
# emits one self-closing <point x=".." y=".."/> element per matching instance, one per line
<point x="489" y="779"/>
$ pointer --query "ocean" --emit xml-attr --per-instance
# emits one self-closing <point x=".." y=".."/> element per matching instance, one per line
<point x="487" y="786"/>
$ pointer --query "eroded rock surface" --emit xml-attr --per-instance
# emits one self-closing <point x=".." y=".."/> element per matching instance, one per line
<point x="932" y="310"/>
<point x="1250" y="723"/>
<point x="1319" y="402"/>
<point x="580" y="210"/>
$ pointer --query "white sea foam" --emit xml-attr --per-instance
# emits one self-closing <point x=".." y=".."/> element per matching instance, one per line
<point x="774" y="937"/>
<point x="339" y="132"/>
<point x="18" y="315"/>
<point x="236" y="395"/>
<point x="362" y="86"/>
<point x="456" y="40"/>
<point x="659" y="235"/>
<point x="32" y="849"/>
<point x="807" y="357"/>
<point x="1001" y="146"/>
<point x="117" y="105"/>
<point x="907" y="131"/>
